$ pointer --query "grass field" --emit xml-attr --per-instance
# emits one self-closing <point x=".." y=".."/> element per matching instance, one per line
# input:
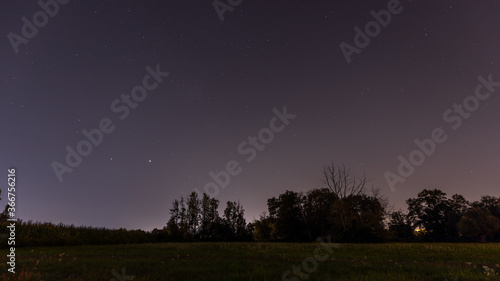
<point x="257" y="261"/>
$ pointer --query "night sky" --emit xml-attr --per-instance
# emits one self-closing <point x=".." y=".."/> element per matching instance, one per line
<point x="224" y="79"/>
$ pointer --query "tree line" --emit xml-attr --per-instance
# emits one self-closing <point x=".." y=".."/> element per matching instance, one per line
<point x="344" y="210"/>
<point x="198" y="219"/>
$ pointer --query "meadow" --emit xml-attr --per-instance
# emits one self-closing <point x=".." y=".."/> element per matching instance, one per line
<point x="258" y="261"/>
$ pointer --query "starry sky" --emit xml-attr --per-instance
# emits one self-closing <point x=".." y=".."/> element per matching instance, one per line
<point x="227" y="71"/>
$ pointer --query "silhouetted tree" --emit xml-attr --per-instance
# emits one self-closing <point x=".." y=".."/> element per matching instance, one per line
<point x="341" y="182"/>
<point x="287" y="213"/>
<point x="479" y="224"/>
<point x="160" y="235"/>
<point x="193" y="213"/>
<point x="3" y="224"/>
<point x="358" y="218"/>
<point x="457" y="207"/>
<point x="264" y="229"/>
<point x="249" y="230"/>
<point x="183" y="220"/>
<point x="317" y="208"/>
<point x="211" y="223"/>
<point x="235" y="221"/>
<point x="5" y="214"/>
<point x="173" y="223"/>
<point x="429" y="211"/>
<point x="491" y="204"/>
<point x="400" y="226"/>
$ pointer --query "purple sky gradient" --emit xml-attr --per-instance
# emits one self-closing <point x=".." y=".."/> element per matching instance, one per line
<point x="225" y="79"/>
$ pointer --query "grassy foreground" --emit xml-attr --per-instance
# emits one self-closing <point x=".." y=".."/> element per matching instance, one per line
<point x="257" y="261"/>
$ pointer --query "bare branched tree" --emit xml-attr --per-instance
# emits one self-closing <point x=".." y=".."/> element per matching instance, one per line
<point x="341" y="182"/>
